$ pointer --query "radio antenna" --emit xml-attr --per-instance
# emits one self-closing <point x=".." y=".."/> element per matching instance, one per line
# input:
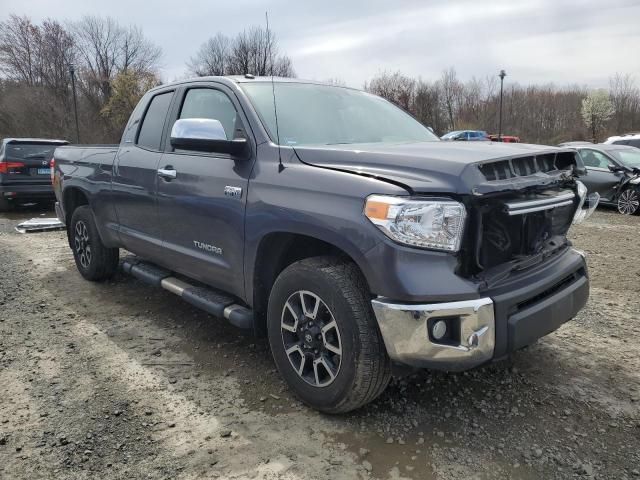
<point x="273" y="90"/>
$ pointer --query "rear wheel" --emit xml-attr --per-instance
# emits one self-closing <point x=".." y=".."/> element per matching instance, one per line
<point x="324" y="336"/>
<point x="629" y="202"/>
<point x="94" y="261"/>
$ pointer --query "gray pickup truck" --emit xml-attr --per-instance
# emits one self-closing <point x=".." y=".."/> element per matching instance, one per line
<point x="335" y="224"/>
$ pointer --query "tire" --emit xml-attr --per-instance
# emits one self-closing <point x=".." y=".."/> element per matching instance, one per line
<point x="5" y="205"/>
<point x="94" y="261"/>
<point x="629" y="202"/>
<point x="343" y="321"/>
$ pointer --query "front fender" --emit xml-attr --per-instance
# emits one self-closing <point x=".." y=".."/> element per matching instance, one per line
<point x="324" y="204"/>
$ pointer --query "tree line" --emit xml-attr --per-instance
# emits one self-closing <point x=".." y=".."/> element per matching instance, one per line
<point x="545" y="114"/>
<point x="115" y="64"/>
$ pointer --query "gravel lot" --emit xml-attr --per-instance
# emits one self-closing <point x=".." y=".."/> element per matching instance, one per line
<point x="119" y="380"/>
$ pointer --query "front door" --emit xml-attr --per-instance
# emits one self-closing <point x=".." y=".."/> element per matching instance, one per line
<point x="599" y="178"/>
<point x="202" y="202"/>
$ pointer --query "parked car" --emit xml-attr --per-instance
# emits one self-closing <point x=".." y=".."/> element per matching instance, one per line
<point x="504" y="138"/>
<point x="25" y="174"/>
<point x="466" y="136"/>
<point x="631" y="139"/>
<point x="346" y="232"/>
<point x="613" y="171"/>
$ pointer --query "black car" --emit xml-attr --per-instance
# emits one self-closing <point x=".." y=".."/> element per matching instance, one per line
<point x="25" y="174"/>
<point x="614" y="172"/>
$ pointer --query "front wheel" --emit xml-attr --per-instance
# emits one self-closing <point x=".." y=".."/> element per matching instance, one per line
<point x="629" y="202"/>
<point x="324" y="337"/>
<point x="95" y="262"/>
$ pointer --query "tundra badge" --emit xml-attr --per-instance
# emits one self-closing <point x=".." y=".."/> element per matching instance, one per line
<point x="234" y="192"/>
<point x="208" y="247"/>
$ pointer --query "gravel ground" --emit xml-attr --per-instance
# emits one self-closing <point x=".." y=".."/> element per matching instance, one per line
<point x="120" y="380"/>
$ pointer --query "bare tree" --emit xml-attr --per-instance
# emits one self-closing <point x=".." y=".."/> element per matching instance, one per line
<point x="19" y="50"/>
<point x="625" y="97"/>
<point x="395" y="87"/>
<point x="107" y="49"/>
<point x="212" y="58"/>
<point x="254" y="51"/>
<point x="451" y="95"/>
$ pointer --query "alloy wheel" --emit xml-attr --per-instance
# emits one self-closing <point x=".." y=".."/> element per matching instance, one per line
<point x="628" y="202"/>
<point x="82" y="245"/>
<point x="311" y="338"/>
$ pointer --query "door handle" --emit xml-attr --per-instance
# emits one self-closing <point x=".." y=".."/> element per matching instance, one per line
<point x="167" y="173"/>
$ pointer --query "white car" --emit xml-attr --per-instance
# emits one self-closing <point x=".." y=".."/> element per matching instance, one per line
<point x="631" y="139"/>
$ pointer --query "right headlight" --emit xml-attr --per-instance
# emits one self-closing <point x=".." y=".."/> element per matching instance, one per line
<point x="436" y="224"/>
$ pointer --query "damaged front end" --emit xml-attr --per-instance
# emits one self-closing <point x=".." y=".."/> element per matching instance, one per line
<point x="520" y="213"/>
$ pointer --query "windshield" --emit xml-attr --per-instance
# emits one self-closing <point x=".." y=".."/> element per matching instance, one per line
<point x="628" y="158"/>
<point x="311" y="114"/>
<point x="23" y="151"/>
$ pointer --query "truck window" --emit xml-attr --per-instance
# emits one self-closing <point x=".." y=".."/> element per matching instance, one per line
<point x="151" y="129"/>
<point x="591" y="158"/>
<point x="212" y="104"/>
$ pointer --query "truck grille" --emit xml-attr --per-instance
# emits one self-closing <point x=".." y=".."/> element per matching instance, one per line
<point x="524" y="166"/>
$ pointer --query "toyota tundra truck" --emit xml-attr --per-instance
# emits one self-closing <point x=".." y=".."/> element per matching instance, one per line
<point x="335" y="224"/>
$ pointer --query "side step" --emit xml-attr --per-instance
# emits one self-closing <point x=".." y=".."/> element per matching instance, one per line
<point x="212" y="301"/>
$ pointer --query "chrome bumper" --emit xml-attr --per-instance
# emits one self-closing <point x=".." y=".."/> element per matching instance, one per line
<point x="405" y="330"/>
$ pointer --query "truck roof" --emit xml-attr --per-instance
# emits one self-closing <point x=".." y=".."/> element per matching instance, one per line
<point x="230" y="80"/>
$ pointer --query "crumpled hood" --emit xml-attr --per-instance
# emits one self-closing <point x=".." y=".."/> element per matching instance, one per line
<point x="422" y="167"/>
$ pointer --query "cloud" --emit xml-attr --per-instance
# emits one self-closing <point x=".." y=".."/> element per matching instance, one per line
<point x="573" y="41"/>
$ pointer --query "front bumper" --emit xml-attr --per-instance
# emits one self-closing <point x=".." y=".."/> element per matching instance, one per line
<point x="501" y="321"/>
<point x="405" y="330"/>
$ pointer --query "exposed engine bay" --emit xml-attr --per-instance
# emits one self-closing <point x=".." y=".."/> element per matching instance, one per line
<point x="515" y="229"/>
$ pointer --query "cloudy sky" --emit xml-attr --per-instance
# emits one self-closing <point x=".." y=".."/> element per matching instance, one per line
<point x="560" y="41"/>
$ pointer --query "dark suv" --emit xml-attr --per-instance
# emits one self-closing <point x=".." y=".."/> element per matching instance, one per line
<point x="25" y="173"/>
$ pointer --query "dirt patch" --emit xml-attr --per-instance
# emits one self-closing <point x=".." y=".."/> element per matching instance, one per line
<point x="119" y="380"/>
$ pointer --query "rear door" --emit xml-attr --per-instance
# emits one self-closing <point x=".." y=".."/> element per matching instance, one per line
<point x="134" y="186"/>
<point x="599" y="178"/>
<point x="202" y="208"/>
<point x="27" y="162"/>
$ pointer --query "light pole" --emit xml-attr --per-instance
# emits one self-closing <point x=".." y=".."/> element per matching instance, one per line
<point x="502" y="74"/>
<point x="72" y="72"/>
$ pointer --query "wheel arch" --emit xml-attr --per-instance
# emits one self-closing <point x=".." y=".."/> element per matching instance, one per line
<point x="72" y="198"/>
<point x="275" y="252"/>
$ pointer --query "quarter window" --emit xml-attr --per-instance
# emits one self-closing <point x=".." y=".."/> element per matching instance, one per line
<point x="150" y="133"/>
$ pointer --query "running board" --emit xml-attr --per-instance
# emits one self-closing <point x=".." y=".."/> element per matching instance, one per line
<point x="211" y="301"/>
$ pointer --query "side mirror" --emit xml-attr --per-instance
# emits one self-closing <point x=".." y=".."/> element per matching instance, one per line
<point x="205" y="135"/>
<point x="615" y="168"/>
